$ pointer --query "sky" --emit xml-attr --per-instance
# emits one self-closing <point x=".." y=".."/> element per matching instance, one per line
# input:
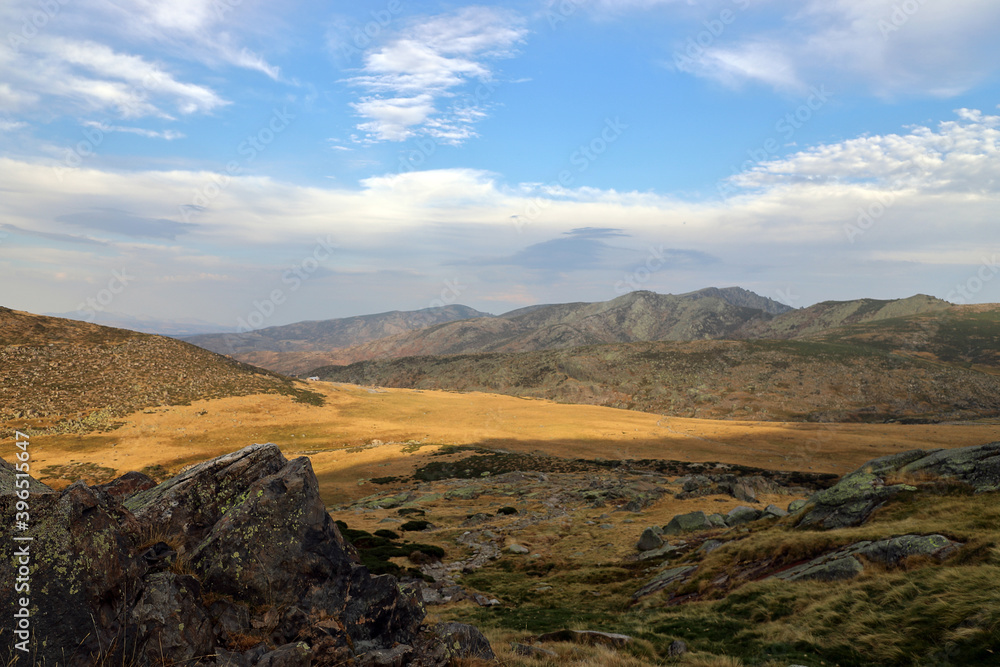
<point x="249" y="163"/>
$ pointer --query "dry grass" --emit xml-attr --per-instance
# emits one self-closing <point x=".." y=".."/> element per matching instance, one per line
<point x="342" y="436"/>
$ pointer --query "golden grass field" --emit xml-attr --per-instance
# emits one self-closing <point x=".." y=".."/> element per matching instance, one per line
<point x="362" y="433"/>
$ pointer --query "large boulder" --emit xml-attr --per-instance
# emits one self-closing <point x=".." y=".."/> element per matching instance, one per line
<point x="687" y="523"/>
<point x="977" y="466"/>
<point x="239" y="547"/>
<point x="650" y="539"/>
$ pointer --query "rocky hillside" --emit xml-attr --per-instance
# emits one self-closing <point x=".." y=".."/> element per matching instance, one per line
<point x="763" y="380"/>
<point x="638" y="316"/>
<point x="962" y="335"/>
<point x="652" y="562"/>
<point x="58" y="374"/>
<point x="295" y="348"/>
<point x="828" y="315"/>
<point x="232" y="563"/>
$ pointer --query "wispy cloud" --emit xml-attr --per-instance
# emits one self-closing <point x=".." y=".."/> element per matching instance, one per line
<point x="884" y="47"/>
<point x="408" y="84"/>
<point x="168" y="135"/>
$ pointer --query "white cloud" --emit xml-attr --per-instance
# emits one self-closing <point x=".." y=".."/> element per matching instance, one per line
<point x="886" y="47"/>
<point x="168" y="135"/>
<point x="408" y="81"/>
<point x="922" y="206"/>
<point x="10" y="125"/>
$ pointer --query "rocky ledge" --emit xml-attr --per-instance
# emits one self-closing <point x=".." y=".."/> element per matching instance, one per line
<point x="234" y="562"/>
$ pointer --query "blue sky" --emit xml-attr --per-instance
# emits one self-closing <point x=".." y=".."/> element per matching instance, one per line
<point x="237" y="160"/>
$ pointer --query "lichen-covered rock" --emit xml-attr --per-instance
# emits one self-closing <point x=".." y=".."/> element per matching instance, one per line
<point x="650" y="539"/>
<point x="462" y="641"/>
<point x="977" y="466"/>
<point x="741" y="515"/>
<point x="248" y="528"/>
<point x="773" y="512"/>
<point x="83" y="577"/>
<point x="850" y="502"/>
<point x="844" y="563"/>
<point x="191" y="503"/>
<point x="171" y="619"/>
<point x="687" y="523"/>
<point x="826" y="569"/>
<point x="857" y="495"/>
<point x="796" y="505"/>
<point x="665" y="578"/>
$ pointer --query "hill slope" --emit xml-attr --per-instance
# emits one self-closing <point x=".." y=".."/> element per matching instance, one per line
<point x="295" y="348"/>
<point x="637" y="316"/>
<point x="765" y="380"/>
<point x="65" y="374"/>
<point x="828" y="315"/>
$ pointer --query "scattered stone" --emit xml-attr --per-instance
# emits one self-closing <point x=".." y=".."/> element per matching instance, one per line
<point x="664" y="579"/>
<point x="662" y="552"/>
<point x="742" y="514"/>
<point x="796" y="505"/>
<point x="606" y="526"/>
<point x="686" y="523"/>
<point x="773" y="511"/>
<point x="717" y="521"/>
<point x="518" y="549"/>
<point x="676" y="649"/>
<point x="532" y="651"/>
<point x="650" y="539"/>
<point x="464" y="641"/>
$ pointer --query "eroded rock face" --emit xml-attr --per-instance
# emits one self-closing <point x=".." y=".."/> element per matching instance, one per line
<point x="243" y="548"/>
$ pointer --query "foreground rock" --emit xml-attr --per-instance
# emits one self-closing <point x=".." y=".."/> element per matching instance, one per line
<point x="237" y="551"/>
<point x="847" y="563"/>
<point x="855" y="497"/>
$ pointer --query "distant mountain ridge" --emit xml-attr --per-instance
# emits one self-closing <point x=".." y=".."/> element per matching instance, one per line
<point x="296" y="348"/>
<point x="637" y="316"/>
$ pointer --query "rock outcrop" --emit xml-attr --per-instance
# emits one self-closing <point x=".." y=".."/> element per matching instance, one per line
<point x="857" y="495"/>
<point x="233" y="562"/>
<point x="845" y="563"/>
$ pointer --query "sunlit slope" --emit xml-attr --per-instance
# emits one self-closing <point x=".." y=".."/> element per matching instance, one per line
<point x="360" y="435"/>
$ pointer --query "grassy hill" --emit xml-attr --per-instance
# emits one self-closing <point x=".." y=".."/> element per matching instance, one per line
<point x="69" y="375"/>
<point x="761" y="380"/>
